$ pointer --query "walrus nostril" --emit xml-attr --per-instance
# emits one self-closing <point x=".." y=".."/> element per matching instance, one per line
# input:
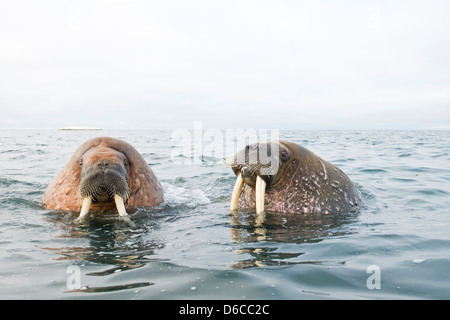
<point x="103" y="165"/>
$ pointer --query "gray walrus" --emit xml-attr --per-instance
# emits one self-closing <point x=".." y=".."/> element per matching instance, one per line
<point x="285" y="177"/>
<point x="104" y="173"/>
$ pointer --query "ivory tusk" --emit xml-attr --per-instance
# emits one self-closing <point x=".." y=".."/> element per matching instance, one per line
<point x="85" y="208"/>
<point x="120" y="205"/>
<point x="236" y="193"/>
<point x="121" y="209"/>
<point x="260" y="192"/>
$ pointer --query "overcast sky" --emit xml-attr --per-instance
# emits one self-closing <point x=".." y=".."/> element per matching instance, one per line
<point x="278" y="64"/>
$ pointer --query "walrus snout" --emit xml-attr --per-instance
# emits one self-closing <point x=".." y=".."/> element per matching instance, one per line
<point x="103" y="183"/>
<point x="250" y="173"/>
<point x="258" y="159"/>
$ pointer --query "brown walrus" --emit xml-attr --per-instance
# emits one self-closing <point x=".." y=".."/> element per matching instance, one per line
<point x="285" y="177"/>
<point x="104" y="172"/>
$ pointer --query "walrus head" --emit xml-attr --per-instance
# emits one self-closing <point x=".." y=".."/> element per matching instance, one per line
<point x="103" y="178"/>
<point x="260" y="166"/>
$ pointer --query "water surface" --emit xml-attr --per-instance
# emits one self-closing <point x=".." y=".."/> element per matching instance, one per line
<point x="191" y="248"/>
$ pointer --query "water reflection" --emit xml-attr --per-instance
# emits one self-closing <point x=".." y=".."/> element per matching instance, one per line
<point x="279" y="229"/>
<point x="106" y="240"/>
<point x="205" y="238"/>
<point x="88" y="289"/>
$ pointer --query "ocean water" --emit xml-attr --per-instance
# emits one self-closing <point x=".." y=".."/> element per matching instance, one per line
<point x="396" y="247"/>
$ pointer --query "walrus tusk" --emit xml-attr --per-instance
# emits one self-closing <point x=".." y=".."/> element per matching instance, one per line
<point x="121" y="209"/>
<point x="236" y="193"/>
<point x="85" y="208"/>
<point x="260" y="192"/>
<point x="120" y="205"/>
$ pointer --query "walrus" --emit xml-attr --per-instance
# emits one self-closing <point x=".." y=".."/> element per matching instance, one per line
<point x="284" y="177"/>
<point x="104" y="173"/>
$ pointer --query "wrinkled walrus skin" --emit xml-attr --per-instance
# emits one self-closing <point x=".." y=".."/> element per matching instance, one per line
<point x="302" y="184"/>
<point x="115" y="168"/>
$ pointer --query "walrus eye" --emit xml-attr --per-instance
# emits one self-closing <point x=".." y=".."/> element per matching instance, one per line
<point x="125" y="162"/>
<point x="284" y="154"/>
<point x="81" y="162"/>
